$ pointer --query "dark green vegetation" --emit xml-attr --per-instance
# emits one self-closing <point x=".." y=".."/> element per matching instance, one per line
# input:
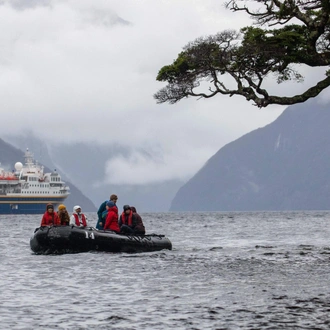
<point x="285" y="34"/>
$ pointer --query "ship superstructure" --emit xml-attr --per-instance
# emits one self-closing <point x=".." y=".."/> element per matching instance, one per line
<point x="27" y="189"/>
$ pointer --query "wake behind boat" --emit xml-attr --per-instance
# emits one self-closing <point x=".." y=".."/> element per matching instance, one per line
<point x="27" y="189"/>
<point x="71" y="239"/>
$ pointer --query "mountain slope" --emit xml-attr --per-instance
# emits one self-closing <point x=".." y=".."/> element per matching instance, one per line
<point x="282" y="166"/>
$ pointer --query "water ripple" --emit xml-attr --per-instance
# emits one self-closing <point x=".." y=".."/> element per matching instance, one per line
<point x="262" y="270"/>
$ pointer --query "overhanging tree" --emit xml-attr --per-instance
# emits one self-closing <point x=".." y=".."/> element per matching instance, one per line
<point x="285" y="34"/>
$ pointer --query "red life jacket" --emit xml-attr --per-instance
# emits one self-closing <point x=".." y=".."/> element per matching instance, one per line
<point x="129" y="219"/>
<point x="82" y="218"/>
<point x="50" y="219"/>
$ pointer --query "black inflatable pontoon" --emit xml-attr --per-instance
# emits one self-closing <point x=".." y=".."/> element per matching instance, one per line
<point x="69" y="239"/>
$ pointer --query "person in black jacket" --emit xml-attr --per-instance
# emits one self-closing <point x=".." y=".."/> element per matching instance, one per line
<point x="139" y="228"/>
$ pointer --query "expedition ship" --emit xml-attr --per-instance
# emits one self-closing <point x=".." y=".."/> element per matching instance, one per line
<point x="27" y="189"/>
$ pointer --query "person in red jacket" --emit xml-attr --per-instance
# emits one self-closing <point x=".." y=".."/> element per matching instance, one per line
<point x="50" y="217"/>
<point x="111" y="222"/>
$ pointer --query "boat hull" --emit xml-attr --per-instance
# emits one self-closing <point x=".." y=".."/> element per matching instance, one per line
<point x="69" y="239"/>
<point x="27" y="205"/>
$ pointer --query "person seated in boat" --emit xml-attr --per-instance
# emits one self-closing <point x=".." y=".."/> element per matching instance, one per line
<point x="128" y="222"/>
<point x="50" y="217"/>
<point x="63" y="214"/>
<point x="101" y="212"/>
<point x="78" y="218"/>
<point x="139" y="228"/>
<point x="111" y="222"/>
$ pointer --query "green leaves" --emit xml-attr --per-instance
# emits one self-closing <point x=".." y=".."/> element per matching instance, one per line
<point x="172" y="72"/>
<point x="271" y="46"/>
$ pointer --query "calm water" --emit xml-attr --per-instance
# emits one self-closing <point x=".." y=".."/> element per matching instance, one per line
<point x="263" y="270"/>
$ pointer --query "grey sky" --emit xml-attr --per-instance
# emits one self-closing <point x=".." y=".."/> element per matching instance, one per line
<point x="85" y="70"/>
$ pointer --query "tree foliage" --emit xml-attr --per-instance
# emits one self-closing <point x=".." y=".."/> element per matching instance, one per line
<point x="285" y="34"/>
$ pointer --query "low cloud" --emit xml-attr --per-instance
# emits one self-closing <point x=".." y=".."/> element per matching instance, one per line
<point x="86" y="71"/>
<point x="140" y="169"/>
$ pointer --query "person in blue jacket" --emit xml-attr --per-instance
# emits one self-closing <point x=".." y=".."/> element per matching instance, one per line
<point x="102" y="212"/>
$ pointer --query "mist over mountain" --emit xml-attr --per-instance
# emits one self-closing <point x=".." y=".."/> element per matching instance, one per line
<point x="85" y="163"/>
<point x="282" y="166"/>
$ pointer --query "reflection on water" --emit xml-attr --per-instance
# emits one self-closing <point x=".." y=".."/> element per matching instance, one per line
<point x="262" y="270"/>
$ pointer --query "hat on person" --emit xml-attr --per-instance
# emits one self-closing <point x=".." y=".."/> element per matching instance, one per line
<point x="61" y="207"/>
<point x="75" y="208"/>
<point x="126" y="207"/>
<point x="113" y="197"/>
<point x="50" y="206"/>
<point x="133" y="209"/>
<point x="110" y="204"/>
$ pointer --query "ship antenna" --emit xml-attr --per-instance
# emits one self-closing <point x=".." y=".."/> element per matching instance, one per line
<point x="40" y="154"/>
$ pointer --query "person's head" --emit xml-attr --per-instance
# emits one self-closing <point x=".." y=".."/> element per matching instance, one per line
<point x="77" y="209"/>
<point x="127" y="209"/>
<point x="110" y="204"/>
<point x="50" y="208"/>
<point x="61" y="208"/>
<point x="114" y="198"/>
<point x="133" y="209"/>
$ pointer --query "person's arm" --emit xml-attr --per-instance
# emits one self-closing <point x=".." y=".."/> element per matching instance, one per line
<point x="139" y="220"/>
<point x="57" y="220"/>
<point x="107" y="221"/>
<point x="139" y="224"/>
<point x="72" y="220"/>
<point x="134" y="220"/>
<point x="43" y="221"/>
<point x="101" y="209"/>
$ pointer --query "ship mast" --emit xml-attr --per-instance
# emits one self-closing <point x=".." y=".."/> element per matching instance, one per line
<point x="28" y="158"/>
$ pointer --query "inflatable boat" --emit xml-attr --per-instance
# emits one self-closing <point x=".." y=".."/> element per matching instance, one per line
<point x="70" y="239"/>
